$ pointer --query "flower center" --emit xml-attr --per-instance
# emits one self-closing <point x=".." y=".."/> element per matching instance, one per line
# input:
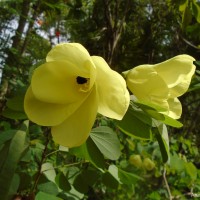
<point x="83" y="83"/>
<point x="81" y="80"/>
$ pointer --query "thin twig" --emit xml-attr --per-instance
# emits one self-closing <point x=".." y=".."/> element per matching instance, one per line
<point x="44" y="155"/>
<point x="166" y="184"/>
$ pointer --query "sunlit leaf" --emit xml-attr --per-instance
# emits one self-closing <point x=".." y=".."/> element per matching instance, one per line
<point x="49" y="171"/>
<point x="171" y="122"/>
<point x="107" y="142"/>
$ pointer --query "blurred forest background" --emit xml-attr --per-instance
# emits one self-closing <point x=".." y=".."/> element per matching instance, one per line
<point x="126" y="33"/>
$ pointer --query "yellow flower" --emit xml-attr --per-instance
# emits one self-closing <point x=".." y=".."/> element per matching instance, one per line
<point x="162" y="83"/>
<point x="69" y="89"/>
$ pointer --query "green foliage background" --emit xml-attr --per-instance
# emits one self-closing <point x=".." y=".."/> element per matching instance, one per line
<point x="144" y="156"/>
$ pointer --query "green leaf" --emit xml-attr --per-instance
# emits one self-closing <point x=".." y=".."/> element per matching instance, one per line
<point x="177" y="163"/>
<point x="49" y="188"/>
<point x="161" y="134"/>
<point x="17" y="146"/>
<point x="191" y="170"/>
<point x="14" y="184"/>
<point x="128" y="177"/>
<point x="196" y="10"/>
<point x="186" y="17"/>
<point x="62" y="182"/>
<point x="134" y="127"/>
<point x="107" y="142"/>
<point x="85" y="180"/>
<point x="171" y="122"/>
<point x="153" y="111"/>
<point x="183" y="6"/>
<point x="43" y="196"/>
<point x="6" y="135"/>
<point x="90" y="152"/>
<point x="139" y="113"/>
<point x="111" y="177"/>
<point x="109" y="181"/>
<point x="16" y="103"/>
<point x="12" y="114"/>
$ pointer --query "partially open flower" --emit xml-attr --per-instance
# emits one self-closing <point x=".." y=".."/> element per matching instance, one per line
<point x="69" y="89"/>
<point x="162" y="83"/>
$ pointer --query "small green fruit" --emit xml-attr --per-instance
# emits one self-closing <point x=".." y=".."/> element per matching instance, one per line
<point x="135" y="160"/>
<point x="148" y="164"/>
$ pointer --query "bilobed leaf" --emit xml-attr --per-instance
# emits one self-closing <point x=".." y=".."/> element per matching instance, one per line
<point x="109" y="180"/>
<point x="107" y="142"/>
<point x="85" y="180"/>
<point x="79" y="184"/>
<point x="49" y="171"/>
<point x="111" y="177"/>
<point x="90" y="152"/>
<point x="62" y="182"/>
<point x="45" y="196"/>
<point x="132" y="126"/>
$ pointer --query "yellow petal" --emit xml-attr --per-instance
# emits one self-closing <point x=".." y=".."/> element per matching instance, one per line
<point x="47" y="114"/>
<point x="75" y="130"/>
<point x="146" y="84"/>
<point x="76" y="54"/>
<point x="112" y="92"/>
<point x="177" y="73"/>
<point x="56" y="82"/>
<point x="175" y="108"/>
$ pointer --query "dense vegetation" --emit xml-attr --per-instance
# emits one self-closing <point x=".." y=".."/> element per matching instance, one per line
<point x="126" y="33"/>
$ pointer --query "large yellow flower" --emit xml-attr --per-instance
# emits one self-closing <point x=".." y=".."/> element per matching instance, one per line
<point x="69" y="89"/>
<point x="162" y="83"/>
